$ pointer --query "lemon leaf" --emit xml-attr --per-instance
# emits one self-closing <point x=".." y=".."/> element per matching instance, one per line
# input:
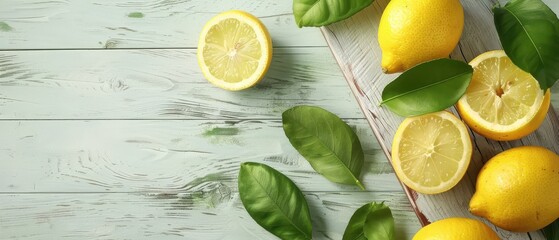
<point x="354" y="229"/>
<point x="327" y="142"/>
<point x="428" y="87"/>
<point x="380" y="223"/>
<point x="529" y="33"/>
<point x="274" y="201"/>
<point x="316" y="13"/>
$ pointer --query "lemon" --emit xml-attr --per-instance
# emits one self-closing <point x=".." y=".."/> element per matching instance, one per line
<point x="502" y="101"/>
<point x="413" y="31"/>
<point x="518" y="189"/>
<point x="234" y="50"/>
<point x="456" y="229"/>
<point x="431" y="153"/>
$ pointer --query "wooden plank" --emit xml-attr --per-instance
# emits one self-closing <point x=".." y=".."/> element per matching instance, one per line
<point x="161" y="156"/>
<point x="162" y="84"/>
<point x="210" y="214"/>
<point x="37" y="24"/>
<point x="354" y="44"/>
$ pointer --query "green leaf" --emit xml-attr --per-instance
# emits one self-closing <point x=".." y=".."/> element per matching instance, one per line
<point x="354" y="229"/>
<point x="316" y="13"/>
<point x="274" y="201"/>
<point x="327" y="142"/>
<point x="551" y="232"/>
<point x="371" y="221"/>
<point x="428" y="87"/>
<point x="379" y="224"/>
<point x="529" y="33"/>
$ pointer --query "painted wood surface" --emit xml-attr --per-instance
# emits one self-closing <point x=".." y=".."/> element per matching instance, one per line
<point x="162" y="84"/>
<point x="108" y="130"/>
<point x="135" y="144"/>
<point x="162" y="156"/>
<point x="354" y="44"/>
<point x="71" y="24"/>
<point x="206" y="214"/>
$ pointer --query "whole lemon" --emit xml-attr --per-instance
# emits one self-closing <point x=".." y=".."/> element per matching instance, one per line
<point x="518" y="189"/>
<point x="456" y="229"/>
<point x="415" y="31"/>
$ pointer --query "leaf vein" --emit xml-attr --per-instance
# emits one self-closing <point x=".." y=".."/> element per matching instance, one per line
<point x="332" y="153"/>
<point x="308" y="10"/>
<point x="278" y="207"/>
<point x="526" y="32"/>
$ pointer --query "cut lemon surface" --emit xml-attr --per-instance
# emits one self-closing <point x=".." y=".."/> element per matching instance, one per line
<point x="431" y="153"/>
<point x="234" y="50"/>
<point x="502" y="101"/>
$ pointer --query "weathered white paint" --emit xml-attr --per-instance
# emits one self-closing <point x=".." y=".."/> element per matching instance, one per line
<point x="120" y="175"/>
<point x="162" y="156"/>
<point x="38" y="24"/>
<point x="205" y="214"/>
<point x="135" y="144"/>
<point x="162" y="84"/>
<point x="354" y="43"/>
<point x="117" y="175"/>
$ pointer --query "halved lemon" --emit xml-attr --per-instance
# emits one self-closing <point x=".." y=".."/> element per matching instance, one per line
<point x="431" y="152"/>
<point x="502" y="101"/>
<point x="234" y="50"/>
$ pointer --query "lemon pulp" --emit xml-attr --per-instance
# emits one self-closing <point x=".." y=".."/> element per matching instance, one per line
<point x="502" y="101"/>
<point x="431" y="153"/>
<point x="235" y="50"/>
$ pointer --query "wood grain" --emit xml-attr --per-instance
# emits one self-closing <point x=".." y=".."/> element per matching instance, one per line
<point x="164" y="84"/>
<point x="163" y="156"/>
<point x="206" y="214"/>
<point x="161" y="84"/>
<point x="353" y="43"/>
<point x="107" y="141"/>
<point x="75" y="24"/>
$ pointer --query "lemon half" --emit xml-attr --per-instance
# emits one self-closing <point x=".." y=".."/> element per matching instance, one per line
<point x="502" y="101"/>
<point x="431" y="153"/>
<point x="234" y="50"/>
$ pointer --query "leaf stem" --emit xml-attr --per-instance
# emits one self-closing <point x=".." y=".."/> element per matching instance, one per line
<point x="360" y="185"/>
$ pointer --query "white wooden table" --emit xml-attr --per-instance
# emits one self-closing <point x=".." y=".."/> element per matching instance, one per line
<point x="108" y="130"/>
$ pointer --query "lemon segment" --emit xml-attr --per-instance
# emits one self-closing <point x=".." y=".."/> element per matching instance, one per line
<point x="234" y="50"/>
<point x="502" y="101"/>
<point x="431" y="153"/>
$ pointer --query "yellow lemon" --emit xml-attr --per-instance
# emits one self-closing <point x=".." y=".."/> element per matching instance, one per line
<point x="502" y="101"/>
<point x="416" y="31"/>
<point x="431" y="153"/>
<point x="234" y="50"/>
<point x="456" y="229"/>
<point x="518" y="189"/>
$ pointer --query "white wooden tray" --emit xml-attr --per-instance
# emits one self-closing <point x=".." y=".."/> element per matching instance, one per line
<point x="355" y="47"/>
